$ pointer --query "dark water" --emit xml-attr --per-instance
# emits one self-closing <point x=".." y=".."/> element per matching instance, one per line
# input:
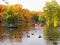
<point x="25" y="35"/>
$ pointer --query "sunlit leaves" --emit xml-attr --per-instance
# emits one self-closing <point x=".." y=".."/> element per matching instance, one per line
<point x="52" y="15"/>
<point x="16" y="8"/>
<point x="55" y="21"/>
<point x="3" y="9"/>
<point x="9" y="17"/>
<point x="51" y="10"/>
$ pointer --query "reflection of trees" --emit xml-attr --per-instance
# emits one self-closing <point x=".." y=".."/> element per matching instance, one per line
<point x="14" y="34"/>
<point x="51" y="36"/>
<point x="2" y="34"/>
<point x="17" y="34"/>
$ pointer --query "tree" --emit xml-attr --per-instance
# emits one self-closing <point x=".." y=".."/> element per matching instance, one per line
<point x="9" y="17"/>
<point x="51" y="11"/>
<point x="42" y="20"/>
<point x="35" y="18"/>
<point x="16" y="8"/>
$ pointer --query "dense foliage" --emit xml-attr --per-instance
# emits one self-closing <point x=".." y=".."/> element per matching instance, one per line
<point x="15" y="13"/>
<point x="52" y="17"/>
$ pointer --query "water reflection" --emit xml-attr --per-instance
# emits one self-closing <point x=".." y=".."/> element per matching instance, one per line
<point x="51" y="36"/>
<point x="14" y="34"/>
<point x="2" y="34"/>
<point x="26" y="34"/>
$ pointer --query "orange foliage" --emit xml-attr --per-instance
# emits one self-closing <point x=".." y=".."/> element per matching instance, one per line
<point x="3" y="9"/>
<point x="26" y="15"/>
<point x="16" y="8"/>
<point x="2" y="31"/>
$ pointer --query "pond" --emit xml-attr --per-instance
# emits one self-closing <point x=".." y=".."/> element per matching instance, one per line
<point x="25" y="35"/>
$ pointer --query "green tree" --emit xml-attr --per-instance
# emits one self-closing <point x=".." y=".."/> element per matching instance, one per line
<point x="51" y="11"/>
<point x="35" y="18"/>
<point x="42" y="20"/>
<point x="9" y="17"/>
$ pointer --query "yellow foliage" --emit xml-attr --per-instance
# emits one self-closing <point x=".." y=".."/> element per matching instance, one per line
<point x="24" y="14"/>
<point x="3" y="9"/>
<point x="16" y="8"/>
<point x="55" y="22"/>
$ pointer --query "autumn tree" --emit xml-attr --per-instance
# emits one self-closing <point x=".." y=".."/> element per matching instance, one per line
<point x="16" y="8"/>
<point x="3" y="9"/>
<point x="34" y="15"/>
<point x="10" y="17"/>
<point x="27" y="15"/>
